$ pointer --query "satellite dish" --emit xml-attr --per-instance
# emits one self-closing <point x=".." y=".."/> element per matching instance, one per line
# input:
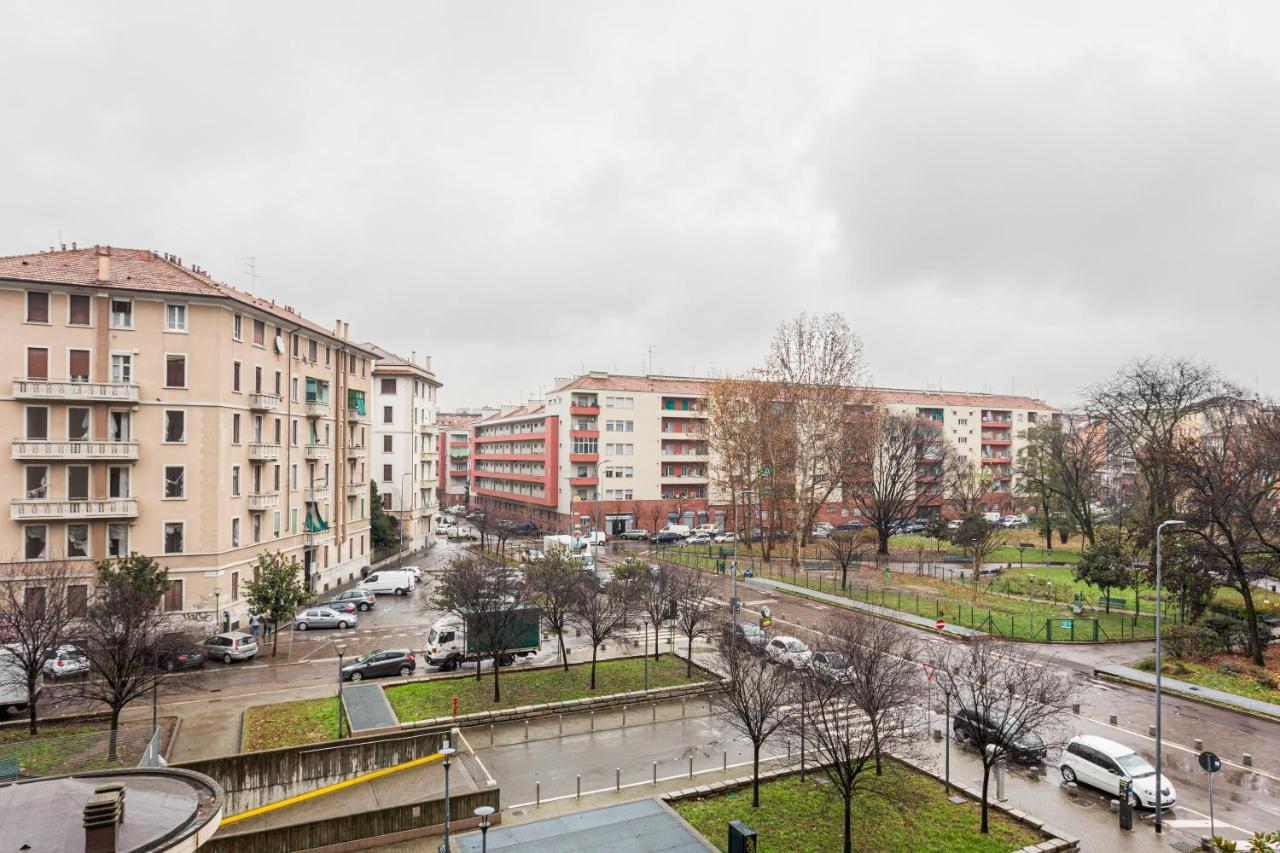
<point x="280" y="343"/>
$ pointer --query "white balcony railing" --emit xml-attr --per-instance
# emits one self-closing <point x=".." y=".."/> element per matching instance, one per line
<point x="316" y="451"/>
<point x="29" y="509"/>
<point x="264" y="402"/>
<point x="258" y="501"/>
<point x="261" y="452"/>
<point x="316" y="493"/>
<point x="124" y="451"/>
<point x="66" y="389"/>
<point x="316" y="409"/>
<point x="322" y="537"/>
<point x="355" y="490"/>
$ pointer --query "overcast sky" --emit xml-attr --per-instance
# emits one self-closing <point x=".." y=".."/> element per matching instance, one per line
<point x="997" y="195"/>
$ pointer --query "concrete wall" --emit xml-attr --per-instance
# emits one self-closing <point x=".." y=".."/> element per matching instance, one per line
<point x="255" y="779"/>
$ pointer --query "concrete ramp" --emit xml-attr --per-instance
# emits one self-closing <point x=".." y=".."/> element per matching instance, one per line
<point x="367" y="709"/>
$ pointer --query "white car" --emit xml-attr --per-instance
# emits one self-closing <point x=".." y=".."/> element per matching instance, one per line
<point x="1104" y="764"/>
<point x="789" y="652"/>
<point x="416" y="570"/>
<point x="698" y="539"/>
<point x="725" y="537"/>
<point x="66" y="661"/>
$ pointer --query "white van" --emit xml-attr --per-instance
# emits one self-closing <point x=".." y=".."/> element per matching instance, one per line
<point x="389" y="580"/>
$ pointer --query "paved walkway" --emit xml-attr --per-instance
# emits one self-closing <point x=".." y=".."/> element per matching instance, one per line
<point x="873" y="609"/>
<point x="1193" y="691"/>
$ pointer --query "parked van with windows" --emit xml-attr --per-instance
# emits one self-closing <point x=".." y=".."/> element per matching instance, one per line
<point x="392" y="581"/>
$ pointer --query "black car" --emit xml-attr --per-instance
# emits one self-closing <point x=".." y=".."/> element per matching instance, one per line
<point x="745" y="636"/>
<point x="851" y="525"/>
<point x="174" y="652"/>
<point x="661" y="538"/>
<point x="833" y="665"/>
<point x="399" y="662"/>
<point x="1019" y="743"/>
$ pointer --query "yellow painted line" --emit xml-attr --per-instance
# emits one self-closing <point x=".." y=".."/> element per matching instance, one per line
<point x="329" y="789"/>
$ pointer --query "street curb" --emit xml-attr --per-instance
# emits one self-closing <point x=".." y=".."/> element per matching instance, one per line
<point x="1191" y="697"/>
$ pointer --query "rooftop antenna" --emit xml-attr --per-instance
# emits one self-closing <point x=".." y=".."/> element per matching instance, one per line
<point x="650" y="370"/>
<point x="251" y="269"/>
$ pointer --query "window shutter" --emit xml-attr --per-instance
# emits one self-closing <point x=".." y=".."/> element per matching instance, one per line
<point x="37" y="363"/>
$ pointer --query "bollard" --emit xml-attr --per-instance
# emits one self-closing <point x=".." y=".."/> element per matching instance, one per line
<point x="593" y="721"/>
<point x="537" y="793"/>
<point x="683" y="705"/>
<point x="561" y="725"/>
<point x="617" y="778"/>
<point x="579" y="786"/>
<point x="624" y="716"/>
<point x="1199" y="745"/>
<point x="788" y="750"/>
<point x="1248" y="759"/>
<point x="655" y="712"/>
<point x="725" y="767"/>
<point x="655" y="772"/>
<point x="526" y="731"/>
<point x="491" y="734"/>
<point x="1151" y="731"/>
<point x="1112" y="720"/>
<point x="1075" y="708"/>
<point x="690" y="766"/>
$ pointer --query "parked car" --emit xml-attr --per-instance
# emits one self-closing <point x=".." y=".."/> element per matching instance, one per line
<point x="230" y="646"/>
<point x="698" y="539"/>
<point x="459" y="531"/>
<point x="789" y="652"/>
<point x="340" y="606"/>
<point x="634" y="533"/>
<point x="389" y="580"/>
<point x="954" y="524"/>
<point x="1014" y="521"/>
<point x="1019" y="743"/>
<point x="178" y="651"/>
<point x="745" y="636"/>
<point x="399" y="662"/>
<point x="725" y="537"/>
<point x="851" y="525"/>
<point x="363" y="599"/>
<point x="416" y="570"/>
<point x="820" y="533"/>
<point x="666" y="537"/>
<point x="1104" y="764"/>
<point x="65" y="661"/>
<point x="833" y="665"/>
<point x="323" y="617"/>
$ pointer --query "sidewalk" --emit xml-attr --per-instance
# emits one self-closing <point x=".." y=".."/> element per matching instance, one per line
<point x="873" y="609"/>
<point x="1256" y="707"/>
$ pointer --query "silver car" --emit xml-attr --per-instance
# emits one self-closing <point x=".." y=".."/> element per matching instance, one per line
<point x="231" y="646"/>
<point x="323" y="617"/>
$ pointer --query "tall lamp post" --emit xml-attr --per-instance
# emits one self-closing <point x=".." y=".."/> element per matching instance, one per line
<point x="737" y="535"/>
<point x="447" y="751"/>
<point x="646" y="652"/>
<point x="406" y="514"/>
<point x="483" y="813"/>
<point x="1159" y="528"/>
<point x="341" y="648"/>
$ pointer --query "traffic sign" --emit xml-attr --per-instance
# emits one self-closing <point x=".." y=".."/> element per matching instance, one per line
<point x="928" y="671"/>
<point x="940" y="624"/>
<point x="1209" y="761"/>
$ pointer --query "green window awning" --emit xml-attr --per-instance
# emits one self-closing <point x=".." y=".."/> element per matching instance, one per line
<point x="355" y="400"/>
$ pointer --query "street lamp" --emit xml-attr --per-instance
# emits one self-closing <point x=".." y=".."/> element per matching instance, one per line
<point x="483" y="813"/>
<point x="341" y="648"/>
<point x="447" y="751"/>
<point x="404" y="505"/>
<point x="737" y="535"/>
<point x="1159" y="527"/>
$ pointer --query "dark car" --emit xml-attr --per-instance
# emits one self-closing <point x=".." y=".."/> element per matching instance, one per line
<point x="851" y="525"/>
<point x="1019" y="743"/>
<point x="175" y="652"/>
<point x="833" y="665"/>
<point x="342" y="605"/>
<point x="399" y="662"/>
<point x="662" y="538"/>
<point x="362" y="598"/>
<point x="745" y="636"/>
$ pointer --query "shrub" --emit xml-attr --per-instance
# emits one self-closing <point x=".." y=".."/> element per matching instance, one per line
<point x="1190" y="641"/>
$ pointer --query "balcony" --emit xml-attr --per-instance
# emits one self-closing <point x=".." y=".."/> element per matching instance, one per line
<point x="584" y="481"/>
<point x="673" y="456"/>
<point x="584" y="457"/>
<point x="354" y="449"/>
<point x="356" y="416"/>
<point x="30" y="509"/>
<point x="684" y="478"/>
<point x="259" y="501"/>
<point x="316" y="493"/>
<point x="458" y="472"/>
<point x="315" y="451"/>
<point x="1003" y="440"/>
<point x="355" y="490"/>
<point x="320" y="537"/>
<point x="996" y="460"/>
<point x="122" y="451"/>
<point x="316" y="408"/>
<point x="261" y="452"/>
<point x="264" y="402"/>
<point x="427" y="455"/>
<point x="65" y="389"/>
<point x="584" y="433"/>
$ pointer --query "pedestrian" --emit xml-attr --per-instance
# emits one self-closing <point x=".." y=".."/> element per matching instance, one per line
<point x="266" y="630"/>
<point x="253" y="626"/>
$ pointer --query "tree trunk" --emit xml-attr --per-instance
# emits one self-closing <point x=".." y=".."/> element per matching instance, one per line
<point x="657" y="653"/>
<point x="115" y="734"/>
<point x="594" y="650"/>
<point x="497" y="690"/>
<point x="848" y="822"/>
<point x="275" y="635"/>
<point x="755" y="776"/>
<point x="31" y="705"/>
<point x="1251" y="618"/>
<point x="1137" y="604"/>
<point x="882" y="538"/>
<point x="564" y="654"/>
<point x="986" y="781"/>
<point x="688" y="670"/>
<point x="1106" y="595"/>
<point x="875" y="745"/>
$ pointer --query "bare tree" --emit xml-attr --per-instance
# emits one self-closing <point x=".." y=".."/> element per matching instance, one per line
<point x="979" y="539"/>
<point x="1034" y="477"/>
<point x="756" y="701"/>
<point x="845" y="549"/>
<point x="901" y="475"/>
<point x="554" y="583"/>
<point x="1018" y="698"/>
<point x="655" y="593"/>
<point x="492" y="602"/>
<point x="888" y="681"/>
<point x="41" y="602"/>
<point x="601" y="614"/>
<point x="697" y="607"/>
<point x="965" y="484"/>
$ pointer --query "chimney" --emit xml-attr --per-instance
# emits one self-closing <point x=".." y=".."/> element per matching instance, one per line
<point x="346" y="330"/>
<point x="426" y="363"/>
<point x="104" y="263"/>
<point x="103" y="814"/>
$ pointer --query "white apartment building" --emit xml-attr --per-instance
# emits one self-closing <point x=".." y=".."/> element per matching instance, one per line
<point x="405" y="457"/>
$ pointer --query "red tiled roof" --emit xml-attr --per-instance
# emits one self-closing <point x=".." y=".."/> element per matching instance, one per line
<point x="144" y="270"/>
<point x="457" y="419"/>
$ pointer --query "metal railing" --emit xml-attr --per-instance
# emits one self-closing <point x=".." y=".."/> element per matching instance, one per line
<point x="130" y="746"/>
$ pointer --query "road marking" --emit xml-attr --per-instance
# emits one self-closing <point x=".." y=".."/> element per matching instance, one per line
<point x="1204" y="822"/>
<point x="1185" y="749"/>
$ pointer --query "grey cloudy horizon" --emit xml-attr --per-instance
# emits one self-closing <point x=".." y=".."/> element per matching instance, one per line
<point x="999" y="196"/>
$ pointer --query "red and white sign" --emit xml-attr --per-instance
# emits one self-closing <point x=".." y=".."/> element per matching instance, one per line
<point x="940" y="624"/>
<point x="928" y="671"/>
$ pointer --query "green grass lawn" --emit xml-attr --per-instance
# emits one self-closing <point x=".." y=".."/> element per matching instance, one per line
<point x="1233" y="675"/>
<point x="75" y="746"/>
<point x="289" y="724"/>
<point x="423" y="700"/>
<point x="899" y="811"/>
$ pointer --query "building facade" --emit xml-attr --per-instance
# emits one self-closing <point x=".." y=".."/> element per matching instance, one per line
<point x="406" y="444"/>
<point x="455" y="456"/>
<point x="156" y="410"/>
<point x="615" y="452"/>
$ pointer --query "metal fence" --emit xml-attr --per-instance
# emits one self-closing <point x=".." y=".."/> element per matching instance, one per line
<point x="131" y="746"/>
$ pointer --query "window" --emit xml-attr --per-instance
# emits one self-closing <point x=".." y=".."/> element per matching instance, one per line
<point x="387" y="502"/>
<point x="173" y="537"/>
<point x="37" y="307"/>
<point x="35" y="540"/>
<point x="235" y="376"/>
<point x="37" y="478"/>
<point x="293" y="520"/>
<point x="37" y="363"/>
<point x="235" y="428"/>
<point x="77" y="540"/>
<point x="78" y="482"/>
<point x="235" y="534"/>
<point x="294" y="392"/>
<point x="119" y="425"/>
<point x="77" y="600"/>
<point x="279" y="390"/>
<point x="328" y="356"/>
<point x="293" y="476"/>
<point x="962" y="440"/>
<point x="275" y="524"/>
<point x="175" y="426"/>
<point x="175" y="481"/>
<point x="235" y="586"/>
<point x="175" y="371"/>
<point x="78" y="310"/>
<point x="259" y="333"/>
<point x="256" y="521"/>
<point x="121" y="367"/>
<point x="235" y="481"/>
<point x="388" y="414"/>
<point x="117" y="540"/>
<point x="78" y="365"/>
<point x="387" y="443"/>
<point x="173" y="596"/>
<point x="275" y="477"/>
<point x="237" y="327"/>
<point x="38" y="423"/>
<point x="386" y="473"/>
<point x="296" y="338"/>
<point x="118" y="481"/>
<point x="293" y="432"/>
<point x="175" y="318"/>
<point x="276" y="431"/>
<point x="312" y="350"/>
<point x="122" y="313"/>
<point x="77" y="423"/>
<point x="388" y="385"/>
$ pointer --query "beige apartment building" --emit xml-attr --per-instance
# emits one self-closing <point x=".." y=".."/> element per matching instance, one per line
<point x="406" y="443"/>
<point x="615" y="451"/>
<point x="153" y="409"/>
